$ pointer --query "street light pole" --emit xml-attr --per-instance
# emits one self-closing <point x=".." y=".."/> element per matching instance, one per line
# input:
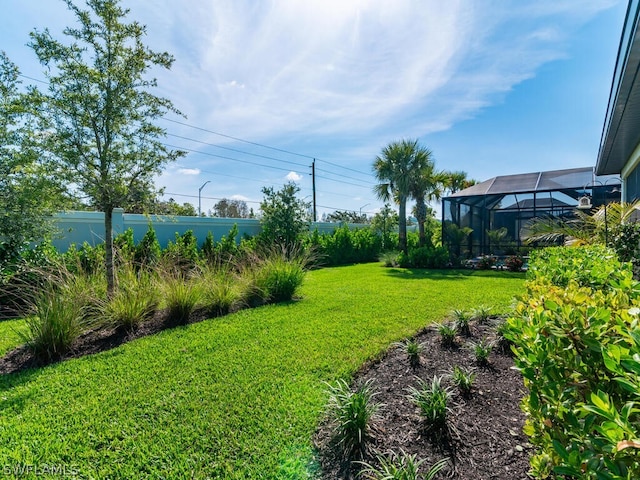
<point x="200" y="196"/>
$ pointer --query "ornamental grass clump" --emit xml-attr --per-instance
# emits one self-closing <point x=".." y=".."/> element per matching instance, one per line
<point x="182" y="296"/>
<point x="222" y="291"/>
<point x="482" y="350"/>
<point x="353" y="413"/>
<point x="55" y="321"/>
<point x="463" y="379"/>
<point x="462" y="319"/>
<point x="447" y="334"/>
<point x="399" y="467"/>
<point x="432" y="399"/>
<point x="134" y="301"/>
<point x="412" y="348"/>
<point x="275" y="275"/>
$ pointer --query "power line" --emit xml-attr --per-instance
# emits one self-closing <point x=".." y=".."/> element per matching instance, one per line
<point x="238" y="151"/>
<point x="226" y="158"/>
<point x="238" y="139"/>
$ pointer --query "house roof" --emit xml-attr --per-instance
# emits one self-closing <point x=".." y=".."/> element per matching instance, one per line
<point x="534" y="182"/>
<point x="621" y="130"/>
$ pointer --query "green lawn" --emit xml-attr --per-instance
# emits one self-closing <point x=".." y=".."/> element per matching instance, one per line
<point x="9" y="337"/>
<point x="235" y="397"/>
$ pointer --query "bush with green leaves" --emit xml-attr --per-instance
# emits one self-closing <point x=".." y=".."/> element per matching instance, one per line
<point x="345" y="245"/>
<point x="428" y="257"/>
<point x="402" y="466"/>
<point x="183" y="253"/>
<point x="353" y="413"/>
<point x="576" y="343"/>
<point x="432" y="399"/>
<point x="148" y="251"/>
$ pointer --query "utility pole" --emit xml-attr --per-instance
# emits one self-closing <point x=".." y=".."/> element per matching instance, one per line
<point x="199" y="198"/>
<point x="313" y="182"/>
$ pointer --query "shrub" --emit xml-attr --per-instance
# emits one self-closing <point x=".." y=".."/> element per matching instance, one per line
<point x="221" y="291"/>
<point x="148" y="251"/>
<point x="353" y="413"/>
<point x="514" y="263"/>
<point x="278" y="275"/>
<point x="576" y="343"/>
<point x="432" y="400"/>
<point x="400" y="467"/>
<point x="596" y="266"/>
<point x="428" y="257"/>
<point x="183" y="253"/>
<point x="485" y="262"/>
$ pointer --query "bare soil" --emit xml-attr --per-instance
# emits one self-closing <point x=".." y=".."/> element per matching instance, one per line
<point x="483" y="439"/>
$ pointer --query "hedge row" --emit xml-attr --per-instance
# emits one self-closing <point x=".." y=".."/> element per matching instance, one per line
<point x="577" y="343"/>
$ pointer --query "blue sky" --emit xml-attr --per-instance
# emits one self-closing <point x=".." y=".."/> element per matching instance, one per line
<point x="491" y="87"/>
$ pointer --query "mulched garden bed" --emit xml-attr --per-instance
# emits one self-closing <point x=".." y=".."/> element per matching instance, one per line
<point x="484" y="438"/>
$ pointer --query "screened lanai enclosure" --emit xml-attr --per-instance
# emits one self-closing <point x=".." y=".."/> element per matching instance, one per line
<point x="490" y="218"/>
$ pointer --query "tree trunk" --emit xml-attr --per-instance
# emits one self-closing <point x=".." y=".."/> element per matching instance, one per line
<point x="108" y="244"/>
<point x="421" y="215"/>
<point x="402" y="224"/>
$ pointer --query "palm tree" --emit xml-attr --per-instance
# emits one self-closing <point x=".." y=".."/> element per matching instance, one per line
<point x="427" y="185"/>
<point x="396" y="168"/>
<point x="583" y="229"/>
<point x="456" y="181"/>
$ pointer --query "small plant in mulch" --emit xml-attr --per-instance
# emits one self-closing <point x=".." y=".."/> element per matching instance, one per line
<point x="447" y="335"/>
<point x="462" y="318"/>
<point x="482" y="313"/>
<point x="399" y="467"/>
<point x="432" y="398"/>
<point x="353" y="413"/>
<point x="412" y="349"/>
<point x="482" y="350"/>
<point x="463" y="379"/>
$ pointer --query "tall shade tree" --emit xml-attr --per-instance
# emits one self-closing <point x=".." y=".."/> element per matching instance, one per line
<point x="28" y="190"/>
<point x="99" y="109"/>
<point x="397" y="167"/>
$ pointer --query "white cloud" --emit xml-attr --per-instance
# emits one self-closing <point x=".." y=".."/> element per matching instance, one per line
<point x="240" y="197"/>
<point x="189" y="171"/>
<point x="326" y="66"/>
<point x="293" y="177"/>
